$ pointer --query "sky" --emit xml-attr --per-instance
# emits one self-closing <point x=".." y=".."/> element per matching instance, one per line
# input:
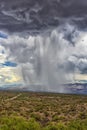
<point x="43" y="43"/>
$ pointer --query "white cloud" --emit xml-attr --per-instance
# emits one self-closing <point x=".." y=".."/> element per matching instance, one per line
<point x="48" y="59"/>
<point x="10" y="75"/>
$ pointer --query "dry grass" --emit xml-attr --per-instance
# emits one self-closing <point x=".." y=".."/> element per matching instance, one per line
<point x="44" y="107"/>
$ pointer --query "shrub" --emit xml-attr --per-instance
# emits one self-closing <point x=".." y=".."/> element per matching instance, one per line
<point x="58" y="126"/>
<point x="18" y="123"/>
<point x="13" y="123"/>
<point x="33" y="125"/>
<point x="78" y="125"/>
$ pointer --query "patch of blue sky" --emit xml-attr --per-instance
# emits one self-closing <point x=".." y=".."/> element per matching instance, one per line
<point x="3" y="52"/>
<point x="3" y="35"/>
<point x="11" y="85"/>
<point x="9" y="64"/>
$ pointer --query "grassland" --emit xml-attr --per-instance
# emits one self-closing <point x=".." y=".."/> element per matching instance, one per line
<point x="42" y="111"/>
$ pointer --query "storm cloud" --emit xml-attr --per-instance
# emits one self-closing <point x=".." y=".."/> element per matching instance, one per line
<point x="35" y="16"/>
<point x="48" y="59"/>
<point x="46" y="39"/>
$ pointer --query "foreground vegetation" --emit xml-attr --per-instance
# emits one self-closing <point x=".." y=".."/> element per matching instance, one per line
<point x="39" y="111"/>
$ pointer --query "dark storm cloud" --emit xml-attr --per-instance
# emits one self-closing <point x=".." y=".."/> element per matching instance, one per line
<point x="48" y="58"/>
<point x="37" y="15"/>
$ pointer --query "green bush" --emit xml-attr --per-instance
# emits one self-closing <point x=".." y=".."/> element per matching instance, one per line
<point x="78" y="125"/>
<point x="13" y="123"/>
<point x="33" y="125"/>
<point x="18" y="123"/>
<point x="58" y="126"/>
